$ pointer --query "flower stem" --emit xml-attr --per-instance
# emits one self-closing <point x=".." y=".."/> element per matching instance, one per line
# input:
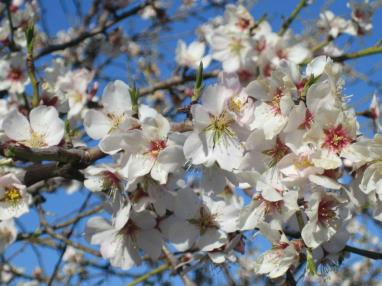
<point x="146" y="276"/>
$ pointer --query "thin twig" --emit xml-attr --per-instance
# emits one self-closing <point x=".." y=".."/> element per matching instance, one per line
<point x="366" y="253"/>
<point x="292" y="17"/>
<point x="359" y="54"/>
<point x="146" y="276"/>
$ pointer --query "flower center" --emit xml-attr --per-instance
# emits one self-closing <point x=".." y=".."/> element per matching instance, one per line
<point x="110" y="183"/>
<point x="275" y="103"/>
<point x="336" y="138"/>
<point x="270" y="207"/>
<point x="129" y="229"/>
<point x="308" y="121"/>
<point x="244" y="75"/>
<point x="236" y="46"/>
<point x="12" y="195"/>
<point x="205" y="221"/>
<point x="243" y="23"/>
<point x="220" y="125"/>
<point x="235" y="104"/>
<point x="36" y="140"/>
<point x="281" y="54"/>
<point x="116" y="120"/>
<point x="276" y="153"/>
<point x="303" y="163"/>
<point x="15" y="74"/>
<point x="260" y="45"/>
<point x="326" y="210"/>
<point x="156" y="146"/>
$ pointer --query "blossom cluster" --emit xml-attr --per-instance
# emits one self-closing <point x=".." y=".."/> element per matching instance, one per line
<point x="276" y="125"/>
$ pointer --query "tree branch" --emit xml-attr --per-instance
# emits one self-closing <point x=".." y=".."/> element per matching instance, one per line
<point x="174" y="81"/>
<point x="85" y="35"/>
<point x="146" y="276"/>
<point x="366" y="253"/>
<point x="362" y="53"/>
<point x="292" y="17"/>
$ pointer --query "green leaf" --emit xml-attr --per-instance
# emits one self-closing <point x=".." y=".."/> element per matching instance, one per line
<point x="134" y="95"/>
<point x="29" y="35"/>
<point x="198" y="83"/>
<point x="310" y="265"/>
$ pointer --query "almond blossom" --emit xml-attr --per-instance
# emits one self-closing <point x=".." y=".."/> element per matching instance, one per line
<point x="44" y="128"/>
<point x="14" y="198"/>
<point x="327" y="212"/>
<point x="120" y="242"/>
<point x="214" y="138"/>
<point x="155" y="152"/>
<point x="201" y="222"/>
<point x="191" y="166"/>
<point x="114" y="118"/>
<point x="192" y="55"/>
<point x="13" y="76"/>
<point x="283" y="255"/>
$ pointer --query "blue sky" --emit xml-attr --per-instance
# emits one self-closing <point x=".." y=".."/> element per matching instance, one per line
<point x="60" y="203"/>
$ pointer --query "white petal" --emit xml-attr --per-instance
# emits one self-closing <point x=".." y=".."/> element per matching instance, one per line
<point x="16" y="126"/>
<point x="45" y="121"/>
<point x="144" y="219"/>
<point x="181" y="233"/>
<point x="97" y="125"/>
<point x="187" y="203"/>
<point x="139" y="165"/>
<point x="211" y="239"/>
<point x="150" y="241"/>
<point x="116" y="98"/>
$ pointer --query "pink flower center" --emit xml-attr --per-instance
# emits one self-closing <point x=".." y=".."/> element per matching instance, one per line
<point x="307" y="121"/>
<point x="281" y="54"/>
<point x="336" y="138"/>
<point x="270" y="207"/>
<point x="326" y="210"/>
<point x="361" y="15"/>
<point x="243" y="23"/>
<point x="300" y="85"/>
<point x="205" y="221"/>
<point x="260" y="45"/>
<point x="267" y="70"/>
<point x="156" y="146"/>
<point x="110" y="178"/>
<point x="278" y="151"/>
<point x="275" y="103"/>
<point x="244" y="75"/>
<point x="129" y="229"/>
<point x="15" y="74"/>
